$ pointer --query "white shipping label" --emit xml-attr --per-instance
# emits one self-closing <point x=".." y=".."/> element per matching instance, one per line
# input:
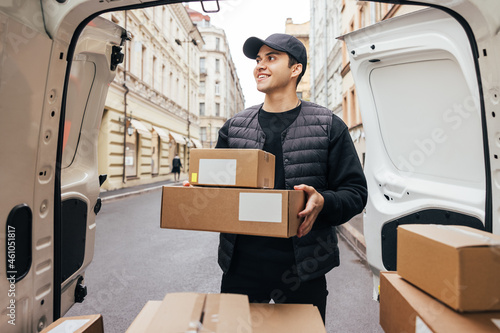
<point x="260" y="207"/>
<point x="421" y="327"/>
<point x="496" y="322"/>
<point x="217" y="172"/>
<point x="69" y="326"/>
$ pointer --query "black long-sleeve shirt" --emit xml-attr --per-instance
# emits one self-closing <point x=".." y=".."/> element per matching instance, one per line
<point x="256" y="254"/>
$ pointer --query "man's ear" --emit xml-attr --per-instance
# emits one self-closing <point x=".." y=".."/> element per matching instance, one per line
<point x="296" y="70"/>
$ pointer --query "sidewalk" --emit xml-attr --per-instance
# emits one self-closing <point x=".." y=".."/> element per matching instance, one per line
<point x="351" y="231"/>
<point x="136" y="190"/>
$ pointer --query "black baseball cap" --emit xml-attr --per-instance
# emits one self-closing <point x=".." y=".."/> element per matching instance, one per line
<point x="280" y="42"/>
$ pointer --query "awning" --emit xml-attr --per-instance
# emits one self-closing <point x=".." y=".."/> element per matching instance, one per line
<point x="196" y="143"/>
<point x="162" y="133"/>
<point x="140" y="127"/>
<point x="177" y="138"/>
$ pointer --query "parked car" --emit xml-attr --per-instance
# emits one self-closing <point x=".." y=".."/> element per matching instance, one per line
<point x="428" y="90"/>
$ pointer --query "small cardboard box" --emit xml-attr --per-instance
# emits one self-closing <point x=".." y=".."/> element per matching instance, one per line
<point x="224" y="313"/>
<point x="252" y="168"/>
<point x="286" y="318"/>
<point x="80" y="324"/>
<point x="194" y="312"/>
<point x="232" y="210"/>
<point x="405" y="308"/>
<point x="458" y="265"/>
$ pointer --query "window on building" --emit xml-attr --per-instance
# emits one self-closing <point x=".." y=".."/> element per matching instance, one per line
<point x="143" y="63"/>
<point x="131" y="153"/>
<point x="202" y="109"/>
<point x="217" y="109"/>
<point x="170" y="84"/>
<point x="157" y="17"/>
<point x="345" y="111"/>
<point x="202" y="87"/>
<point x="203" y="133"/>
<point x="203" y="69"/>
<point x="361" y="18"/>
<point x="163" y="80"/>
<point x="155" y="153"/>
<point x="217" y="65"/>
<point x="217" y="44"/>
<point x="355" y="112"/>
<point x="164" y="19"/>
<point x="217" y="89"/>
<point x="154" y="74"/>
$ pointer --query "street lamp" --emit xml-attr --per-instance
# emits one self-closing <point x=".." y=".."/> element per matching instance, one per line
<point x="195" y="43"/>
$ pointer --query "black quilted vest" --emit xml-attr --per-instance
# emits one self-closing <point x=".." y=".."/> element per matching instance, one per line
<point x="305" y="156"/>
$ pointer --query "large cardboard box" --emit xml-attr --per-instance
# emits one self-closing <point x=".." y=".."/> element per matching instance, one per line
<point x="79" y="324"/>
<point x="458" y="265"/>
<point x="405" y="308"/>
<point x="286" y="318"/>
<point x="194" y="312"/>
<point x="231" y="210"/>
<point x="224" y="313"/>
<point x="252" y="168"/>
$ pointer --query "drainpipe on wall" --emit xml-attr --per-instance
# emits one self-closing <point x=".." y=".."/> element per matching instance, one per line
<point x="124" y="178"/>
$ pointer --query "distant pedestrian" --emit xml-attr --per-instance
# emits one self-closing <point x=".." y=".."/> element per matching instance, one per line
<point x="176" y="168"/>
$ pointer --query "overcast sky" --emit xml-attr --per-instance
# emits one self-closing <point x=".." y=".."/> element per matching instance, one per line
<point x="245" y="18"/>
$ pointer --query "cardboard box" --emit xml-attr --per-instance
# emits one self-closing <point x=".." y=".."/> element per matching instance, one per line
<point x="231" y="210"/>
<point x="141" y="322"/>
<point x="194" y="312"/>
<point x="224" y="313"/>
<point x="80" y="324"/>
<point x="405" y="308"/>
<point x="458" y="265"/>
<point x="252" y="168"/>
<point x="286" y="318"/>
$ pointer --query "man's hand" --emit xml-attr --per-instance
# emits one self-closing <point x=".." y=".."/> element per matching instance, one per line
<point x="314" y="205"/>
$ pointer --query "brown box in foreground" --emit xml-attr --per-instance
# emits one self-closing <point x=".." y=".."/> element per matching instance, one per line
<point x="458" y="265"/>
<point x="286" y="318"/>
<point x="405" y="308"/>
<point x="194" y="312"/>
<point x="79" y="324"/>
<point x="224" y="313"/>
<point x="232" y="210"/>
<point x="253" y="168"/>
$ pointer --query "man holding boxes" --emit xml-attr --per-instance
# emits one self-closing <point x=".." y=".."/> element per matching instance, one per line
<point x="315" y="154"/>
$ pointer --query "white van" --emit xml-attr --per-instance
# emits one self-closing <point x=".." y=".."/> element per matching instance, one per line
<point x="428" y="86"/>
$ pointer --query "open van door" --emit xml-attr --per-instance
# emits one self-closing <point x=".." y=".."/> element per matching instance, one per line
<point x="428" y="89"/>
<point x="50" y="185"/>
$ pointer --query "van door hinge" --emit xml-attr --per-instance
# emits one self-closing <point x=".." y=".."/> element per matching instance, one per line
<point x="80" y="290"/>
<point x="116" y="57"/>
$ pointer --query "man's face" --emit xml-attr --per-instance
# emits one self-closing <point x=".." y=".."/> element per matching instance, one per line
<point x="272" y="73"/>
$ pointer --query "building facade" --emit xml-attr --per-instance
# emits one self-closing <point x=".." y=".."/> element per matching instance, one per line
<point x="151" y="111"/>
<point x="301" y="32"/>
<point x="220" y="94"/>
